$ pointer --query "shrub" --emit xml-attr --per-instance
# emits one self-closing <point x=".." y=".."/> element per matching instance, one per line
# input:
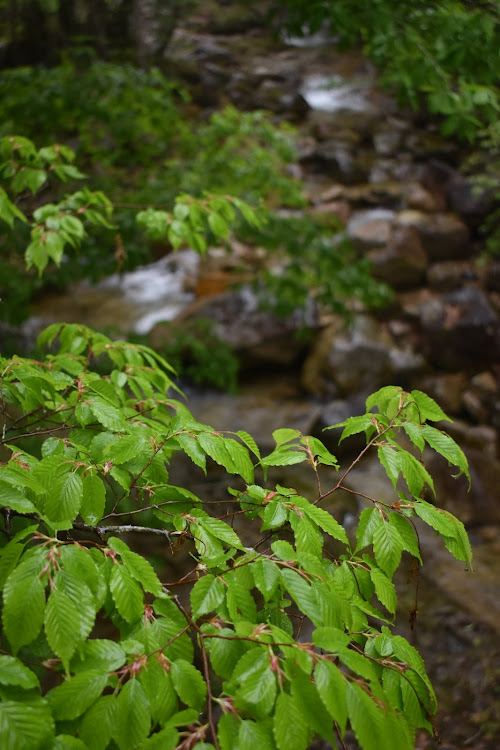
<point x="287" y="631"/>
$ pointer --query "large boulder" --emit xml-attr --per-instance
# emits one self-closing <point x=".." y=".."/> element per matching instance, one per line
<point x="444" y="236"/>
<point x="402" y="263"/>
<point x="357" y="360"/>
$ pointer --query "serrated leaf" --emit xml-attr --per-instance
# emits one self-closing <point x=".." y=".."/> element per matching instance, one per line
<point x="93" y="499"/>
<point x="449" y="527"/>
<point x="283" y="550"/>
<point x="414" y="433"/>
<point x="274" y="516"/>
<point x="133" y="716"/>
<point x="225" y="652"/>
<point x="221" y="531"/>
<point x="240" y="603"/>
<point x="189" y="684"/>
<point x="384" y="588"/>
<point x="284" y="456"/>
<point x="64" y="504"/>
<point x="24" y="727"/>
<point x="330" y="639"/>
<point x="249" y="442"/>
<point x="369" y="519"/>
<point x="160" y="692"/>
<point x="207" y="593"/>
<point x="252" y="735"/>
<point x="24" y="602"/>
<point x="267" y="577"/>
<point x="125" y="448"/>
<point x="428" y="408"/>
<point x="407" y="534"/>
<point x="76" y="695"/>
<point x="303" y="595"/>
<point x="14" y="672"/>
<point x="192" y="448"/>
<point x="214" y="446"/>
<point x="446" y="446"/>
<point x="10" y="497"/>
<point x="107" y="415"/>
<point x="67" y="742"/>
<point x="366" y="718"/>
<point x="241" y="459"/>
<point x="307" y="700"/>
<point x="259" y="690"/>
<point x="284" y="435"/>
<point x="127" y="594"/>
<point x="290" y="729"/>
<point x="100" y="654"/>
<point x="414" y="473"/>
<point x="389" y="457"/>
<point x="165" y="739"/>
<point x="62" y="625"/>
<point x="322" y="518"/>
<point x="409" y="655"/>
<point x="353" y="426"/>
<point x="387" y="547"/>
<point x="331" y="686"/>
<point x="138" y="567"/>
<point x="9" y="556"/>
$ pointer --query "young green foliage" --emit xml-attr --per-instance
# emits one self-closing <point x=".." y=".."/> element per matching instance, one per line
<point x="88" y="437"/>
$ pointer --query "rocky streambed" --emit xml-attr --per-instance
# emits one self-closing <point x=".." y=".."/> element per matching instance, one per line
<point x="396" y="185"/>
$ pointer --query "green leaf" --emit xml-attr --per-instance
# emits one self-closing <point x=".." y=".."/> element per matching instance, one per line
<point x="384" y="588"/>
<point x="76" y="695"/>
<point x="241" y="460"/>
<point x="354" y="425"/>
<point x="100" y="654"/>
<point x="125" y="448"/>
<point x="126" y="593"/>
<point x="14" y="672"/>
<point x="207" y="593"/>
<point x="133" y="716"/>
<point x="24" y="727"/>
<point x="165" y="739"/>
<point x="369" y="519"/>
<point x="240" y="603"/>
<point x="331" y="685"/>
<point x="24" y="602"/>
<point x="307" y="700"/>
<point x="160" y="692"/>
<point x="107" y="415"/>
<point x="249" y="442"/>
<point x="138" y="567"/>
<point x="98" y="724"/>
<point x="330" y="639"/>
<point x="428" y="408"/>
<point x="274" y="516"/>
<point x="189" y="684"/>
<point x="62" y="625"/>
<point x="387" y="547"/>
<point x="446" y="446"/>
<point x="452" y="530"/>
<point x="67" y="742"/>
<point x="221" y="531"/>
<point x="409" y="655"/>
<point x="284" y="435"/>
<point x="267" y="577"/>
<point x="290" y="729"/>
<point x="322" y="518"/>
<point x="12" y="498"/>
<point x="414" y="473"/>
<point x="389" y="457"/>
<point x="225" y="652"/>
<point x="302" y="594"/>
<point x="258" y="691"/>
<point x="93" y="499"/>
<point x="284" y="456"/>
<point x="252" y="735"/>
<point x="407" y="534"/>
<point x="65" y="504"/>
<point x="366" y="718"/>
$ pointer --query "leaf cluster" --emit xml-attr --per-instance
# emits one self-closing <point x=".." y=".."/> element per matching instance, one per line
<point x="275" y="624"/>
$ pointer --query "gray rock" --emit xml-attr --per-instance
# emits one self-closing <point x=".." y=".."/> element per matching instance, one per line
<point x="444" y="236"/>
<point x="403" y="262"/>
